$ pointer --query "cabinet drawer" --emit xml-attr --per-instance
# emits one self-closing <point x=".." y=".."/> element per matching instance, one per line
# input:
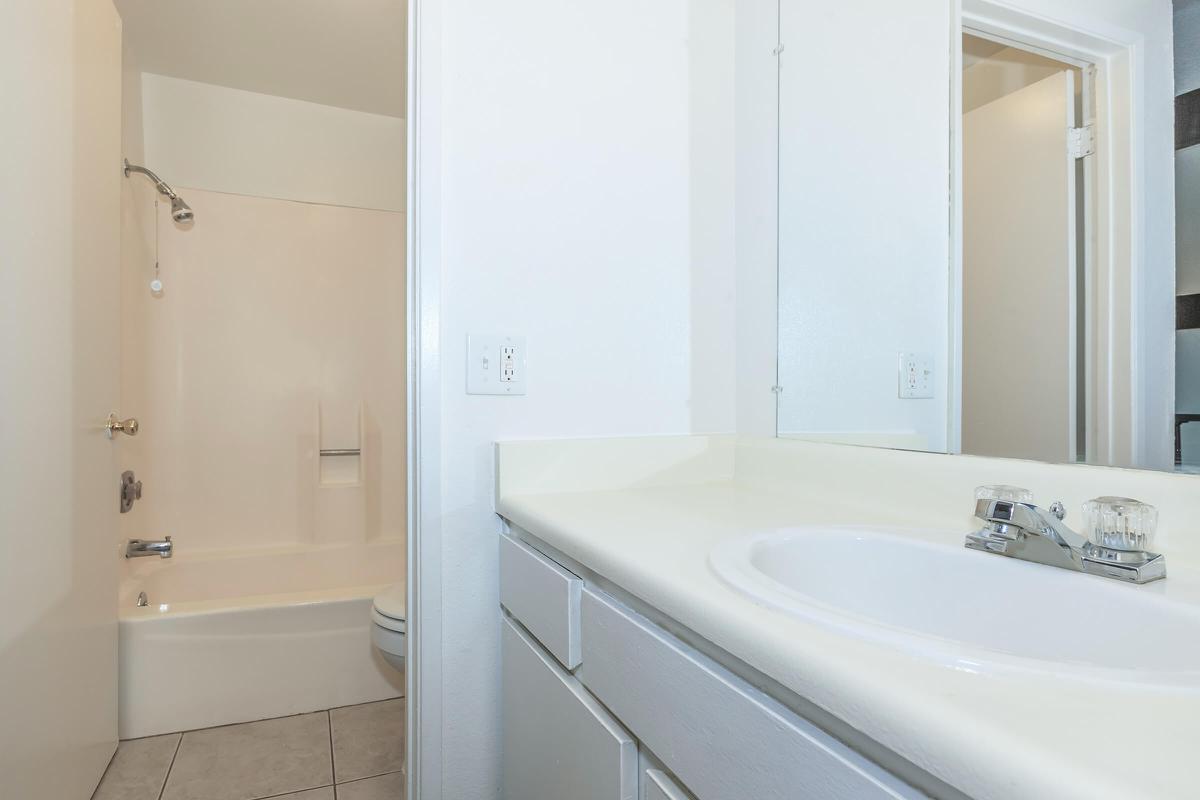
<point x="543" y="596"/>
<point x="559" y="742"/>
<point x="722" y="737"/>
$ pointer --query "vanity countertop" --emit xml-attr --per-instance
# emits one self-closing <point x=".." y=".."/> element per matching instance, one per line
<point x="648" y="527"/>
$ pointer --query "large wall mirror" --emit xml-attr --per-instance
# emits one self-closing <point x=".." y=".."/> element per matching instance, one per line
<point x="1063" y="323"/>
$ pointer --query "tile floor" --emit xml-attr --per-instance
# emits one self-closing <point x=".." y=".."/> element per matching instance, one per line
<point x="351" y="753"/>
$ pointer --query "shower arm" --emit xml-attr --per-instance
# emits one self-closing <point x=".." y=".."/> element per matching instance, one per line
<point x="159" y="183"/>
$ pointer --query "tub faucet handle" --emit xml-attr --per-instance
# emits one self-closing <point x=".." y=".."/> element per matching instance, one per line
<point x="115" y="424"/>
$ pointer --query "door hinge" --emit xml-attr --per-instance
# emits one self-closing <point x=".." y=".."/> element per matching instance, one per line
<point x="1082" y="141"/>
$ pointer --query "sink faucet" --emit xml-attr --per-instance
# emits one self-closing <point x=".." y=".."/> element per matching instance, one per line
<point x="140" y="548"/>
<point x="1120" y="531"/>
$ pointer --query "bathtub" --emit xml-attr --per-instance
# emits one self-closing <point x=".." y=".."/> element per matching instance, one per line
<point x="245" y="635"/>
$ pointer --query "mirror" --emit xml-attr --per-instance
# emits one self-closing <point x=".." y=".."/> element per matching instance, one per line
<point x="1056" y="327"/>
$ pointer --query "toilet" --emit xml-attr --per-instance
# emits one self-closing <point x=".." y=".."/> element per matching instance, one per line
<point x="388" y="625"/>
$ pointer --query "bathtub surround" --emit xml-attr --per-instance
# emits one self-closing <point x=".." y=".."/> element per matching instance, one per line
<point x="359" y="749"/>
<point x="276" y="336"/>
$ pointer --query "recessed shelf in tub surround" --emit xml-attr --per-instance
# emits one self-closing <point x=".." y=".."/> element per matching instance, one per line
<point x="340" y="434"/>
<point x="639" y="519"/>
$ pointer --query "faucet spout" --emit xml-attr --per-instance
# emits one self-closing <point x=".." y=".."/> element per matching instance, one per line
<point x="140" y="548"/>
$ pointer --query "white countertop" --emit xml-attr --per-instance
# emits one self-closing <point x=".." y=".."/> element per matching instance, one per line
<point x="990" y="736"/>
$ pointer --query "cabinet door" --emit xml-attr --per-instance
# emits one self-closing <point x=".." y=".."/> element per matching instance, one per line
<point x="559" y="742"/>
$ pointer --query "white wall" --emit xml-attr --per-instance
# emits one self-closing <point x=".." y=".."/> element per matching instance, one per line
<point x="864" y="225"/>
<point x="571" y="143"/>
<point x="229" y="140"/>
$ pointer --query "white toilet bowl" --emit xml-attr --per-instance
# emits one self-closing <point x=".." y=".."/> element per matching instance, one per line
<point x="388" y="625"/>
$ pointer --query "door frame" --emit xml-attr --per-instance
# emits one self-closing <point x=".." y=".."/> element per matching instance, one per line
<point x="1123" y="398"/>
<point x="423" y="660"/>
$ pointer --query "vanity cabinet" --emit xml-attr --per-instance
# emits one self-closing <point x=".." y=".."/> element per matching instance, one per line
<point x="573" y="725"/>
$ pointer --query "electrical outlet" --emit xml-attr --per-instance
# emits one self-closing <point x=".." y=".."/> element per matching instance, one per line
<point x="916" y="376"/>
<point x="495" y="365"/>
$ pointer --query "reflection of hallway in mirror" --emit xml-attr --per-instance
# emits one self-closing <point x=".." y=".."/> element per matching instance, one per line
<point x="1187" y="236"/>
<point x="1022" y="392"/>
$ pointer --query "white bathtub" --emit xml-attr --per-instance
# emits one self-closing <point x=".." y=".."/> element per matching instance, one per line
<point x="239" y="636"/>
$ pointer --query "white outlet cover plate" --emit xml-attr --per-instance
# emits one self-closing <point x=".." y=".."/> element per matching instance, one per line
<point x="916" y="376"/>
<point x="484" y="365"/>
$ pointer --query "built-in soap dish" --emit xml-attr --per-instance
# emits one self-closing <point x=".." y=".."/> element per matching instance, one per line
<point x="339" y="461"/>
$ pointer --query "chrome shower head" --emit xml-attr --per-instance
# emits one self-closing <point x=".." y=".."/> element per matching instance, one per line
<point x="181" y="212"/>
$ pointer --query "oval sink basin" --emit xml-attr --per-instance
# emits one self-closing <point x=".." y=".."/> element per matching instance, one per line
<point x="968" y="610"/>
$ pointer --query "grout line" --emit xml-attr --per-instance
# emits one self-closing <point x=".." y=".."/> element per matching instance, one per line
<point x="369" y="777"/>
<point x="107" y="767"/>
<point x="170" y="767"/>
<point x="332" y="760"/>
<point x="369" y="702"/>
<point x="295" y="791"/>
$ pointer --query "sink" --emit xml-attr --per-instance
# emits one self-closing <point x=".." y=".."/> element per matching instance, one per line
<point x="968" y="610"/>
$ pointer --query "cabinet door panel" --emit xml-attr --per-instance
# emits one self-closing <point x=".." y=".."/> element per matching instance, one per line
<point x="559" y="742"/>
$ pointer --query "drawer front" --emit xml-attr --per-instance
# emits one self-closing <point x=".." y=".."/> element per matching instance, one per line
<point x="559" y="742"/>
<point x="657" y="786"/>
<point x="543" y="596"/>
<point x="722" y="737"/>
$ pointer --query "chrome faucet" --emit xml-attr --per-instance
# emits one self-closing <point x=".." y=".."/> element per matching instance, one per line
<point x="1120" y="531"/>
<point x="140" y="548"/>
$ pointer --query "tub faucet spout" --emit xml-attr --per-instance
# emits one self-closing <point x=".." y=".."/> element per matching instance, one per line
<point x="139" y="548"/>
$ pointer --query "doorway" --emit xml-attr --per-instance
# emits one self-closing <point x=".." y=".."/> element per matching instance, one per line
<point x="1027" y="132"/>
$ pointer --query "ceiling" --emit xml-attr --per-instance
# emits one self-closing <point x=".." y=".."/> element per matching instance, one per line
<point x="976" y="49"/>
<point x="348" y="53"/>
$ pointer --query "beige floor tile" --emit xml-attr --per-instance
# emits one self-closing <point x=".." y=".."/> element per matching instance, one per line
<point x="385" y="787"/>
<point x="138" y="769"/>
<point x="253" y="760"/>
<point x="368" y="739"/>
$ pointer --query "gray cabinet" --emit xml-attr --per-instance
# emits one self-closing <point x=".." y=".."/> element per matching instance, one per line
<point x="575" y="735"/>
<point x="559" y="742"/>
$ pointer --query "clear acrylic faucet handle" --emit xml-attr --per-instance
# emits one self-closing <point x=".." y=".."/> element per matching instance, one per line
<point x="1120" y="523"/>
<point x="1012" y="494"/>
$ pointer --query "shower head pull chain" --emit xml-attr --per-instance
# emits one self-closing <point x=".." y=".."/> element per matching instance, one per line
<point x="156" y="285"/>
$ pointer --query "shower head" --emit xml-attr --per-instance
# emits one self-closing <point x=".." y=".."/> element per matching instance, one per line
<point x="181" y="212"/>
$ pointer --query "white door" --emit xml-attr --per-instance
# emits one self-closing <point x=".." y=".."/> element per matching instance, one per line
<point x="60" y="79"/>
<point x="1019" y="268"/>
